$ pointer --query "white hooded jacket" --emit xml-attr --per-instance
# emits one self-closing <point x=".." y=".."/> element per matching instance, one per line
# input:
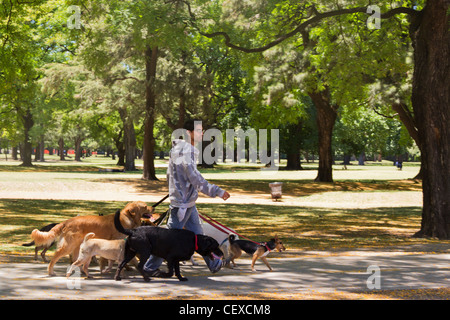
<point x="184" y="179"/>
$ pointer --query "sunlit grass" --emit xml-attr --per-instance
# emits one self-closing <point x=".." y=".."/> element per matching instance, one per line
<point x="301" y="228"/>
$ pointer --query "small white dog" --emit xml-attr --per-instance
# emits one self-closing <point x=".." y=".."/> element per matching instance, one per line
<point x="113" y="250"/>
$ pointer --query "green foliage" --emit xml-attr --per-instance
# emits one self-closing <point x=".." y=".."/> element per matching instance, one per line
<point x="74" y="82"/>
<point x="363" y="130"/>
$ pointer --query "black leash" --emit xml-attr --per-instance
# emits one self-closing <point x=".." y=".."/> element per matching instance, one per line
<point x="161" y="218"/>
<point x="160" y="201"/>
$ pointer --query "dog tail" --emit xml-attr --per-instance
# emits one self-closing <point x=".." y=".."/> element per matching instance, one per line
<point x="119" y="226"/>
<point x="29" y="244"/>
<point x="88" y="236"/>
<point x="42" y="238"/>
<point x="231" y="238"/>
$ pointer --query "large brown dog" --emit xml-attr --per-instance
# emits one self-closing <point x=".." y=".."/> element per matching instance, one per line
<point x="71" y="232"/>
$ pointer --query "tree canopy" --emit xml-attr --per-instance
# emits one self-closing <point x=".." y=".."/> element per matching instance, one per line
<point x="336" y="77"/>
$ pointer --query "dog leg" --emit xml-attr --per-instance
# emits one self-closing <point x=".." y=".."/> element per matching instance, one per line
<point x="43" y="254"/>
<point x="176" y="265"/>
<point x="36" y="249"/>
<point x="110" y="266"/>
<point x="254" y="258"/>
<point x="264" y="259"/>
<point x="170" y="267"/>
<point x="234" y="263"/>
<point x="140" y="266"/>
<point x="235" y="252"/>
<point x="73" y="266"/>
<point x="86" y="266"/>
<point x="127" y="258"/>
<point x="61" y="252"/>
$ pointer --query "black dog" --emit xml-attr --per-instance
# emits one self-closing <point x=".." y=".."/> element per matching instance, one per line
<point x="36" y="249"/>
<point x="173" y="245"/>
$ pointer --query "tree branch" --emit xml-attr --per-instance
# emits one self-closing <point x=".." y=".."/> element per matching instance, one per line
<point x="112" y="81"/>
<point x="300" y="28"/>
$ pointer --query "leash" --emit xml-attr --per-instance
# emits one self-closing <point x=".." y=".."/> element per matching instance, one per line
<point x="160" y="201"/>
<point x="161" y="218"/>
<point x="218" y="223"/>
<point x="214" y="225"/>
<point x="211" y="221"/>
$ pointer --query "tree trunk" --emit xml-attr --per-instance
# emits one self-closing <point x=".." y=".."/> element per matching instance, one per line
<point x="347" y="158"/>
<point x="61" y="149"/>
<point x="14" y="153"/>
<point x="151" y="57"/>
<point x="37" y="152"/>
<point x="129" y="140"/>
<point x="293" y="161"/>
<point x="78" y="150"/>
<point x="27" y="148"/>
<point x="431" y="105"/>
<point x="42" y="150"/>
<point x="326" y="118"/>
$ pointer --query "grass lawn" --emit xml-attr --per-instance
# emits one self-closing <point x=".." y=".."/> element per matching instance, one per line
<point x="300" y="228"/>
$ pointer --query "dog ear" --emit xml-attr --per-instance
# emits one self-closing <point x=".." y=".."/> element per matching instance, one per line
<point x="128" y="212"/>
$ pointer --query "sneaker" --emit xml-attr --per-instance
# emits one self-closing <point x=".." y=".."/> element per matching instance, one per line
<point x="214" y="265"/>
<point x="154" y="273"/>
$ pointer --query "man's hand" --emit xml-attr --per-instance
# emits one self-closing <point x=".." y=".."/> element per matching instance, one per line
<point x="225" y="196"/>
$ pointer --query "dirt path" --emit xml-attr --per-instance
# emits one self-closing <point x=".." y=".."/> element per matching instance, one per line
<point x="85" y="186"/>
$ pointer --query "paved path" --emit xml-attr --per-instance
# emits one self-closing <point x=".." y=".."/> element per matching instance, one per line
<point x="342" y="272"/>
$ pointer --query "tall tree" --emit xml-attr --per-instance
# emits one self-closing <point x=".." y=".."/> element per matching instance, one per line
<point x="431" y="103"/>
<point x="429" y="33"/>
<point x="134" y="33"/>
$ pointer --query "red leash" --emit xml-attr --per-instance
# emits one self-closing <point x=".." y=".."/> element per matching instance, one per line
<point x="218" y="228"/>
<point x="215" y="225"/>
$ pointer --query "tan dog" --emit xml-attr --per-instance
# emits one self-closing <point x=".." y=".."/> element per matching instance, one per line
<point x="72" y="231"/>
<point x="257" y="250"/>
<point x="113" y="250"/>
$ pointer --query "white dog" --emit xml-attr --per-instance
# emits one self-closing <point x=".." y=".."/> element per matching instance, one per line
<point x="113" y="250"/>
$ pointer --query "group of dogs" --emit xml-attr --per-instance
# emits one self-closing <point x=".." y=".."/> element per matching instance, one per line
<point x="130" y="232"/>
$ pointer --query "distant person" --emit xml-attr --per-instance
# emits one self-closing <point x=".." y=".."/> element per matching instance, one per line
<point x="184" y="182"/>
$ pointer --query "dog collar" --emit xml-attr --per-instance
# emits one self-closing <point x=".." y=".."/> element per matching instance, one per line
<point x="196" y="244"/>
<point x="267" y="247"/>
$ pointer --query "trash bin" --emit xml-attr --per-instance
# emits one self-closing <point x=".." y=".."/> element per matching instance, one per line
<point x="275" y="190"/>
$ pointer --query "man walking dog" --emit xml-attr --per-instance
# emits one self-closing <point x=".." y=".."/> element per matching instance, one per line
<point x="184" y="182"/>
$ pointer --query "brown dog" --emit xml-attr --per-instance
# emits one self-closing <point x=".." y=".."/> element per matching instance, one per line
<point x="72" y="232"/>
<point x="257" y="250"/>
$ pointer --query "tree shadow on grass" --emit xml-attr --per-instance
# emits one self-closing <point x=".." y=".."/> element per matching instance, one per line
<point x="289" y="188"/>
<point x="299" y="227"/>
